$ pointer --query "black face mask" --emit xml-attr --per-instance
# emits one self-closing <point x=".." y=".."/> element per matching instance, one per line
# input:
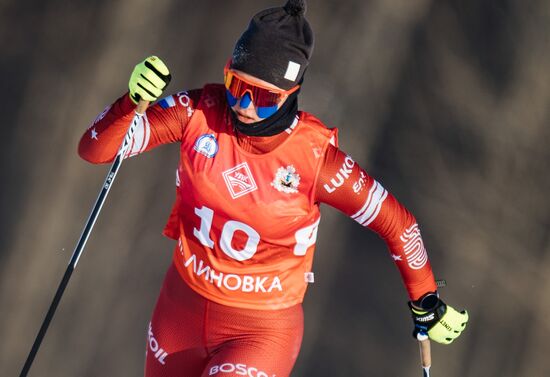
<point x="273" y="125"/>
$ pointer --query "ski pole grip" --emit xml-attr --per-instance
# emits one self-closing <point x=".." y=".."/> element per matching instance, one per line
<point x="142" y="106"/>
<point x="425" y="353"/>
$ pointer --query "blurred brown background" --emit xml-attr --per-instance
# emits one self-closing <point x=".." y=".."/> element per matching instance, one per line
<point x="445" y="102"/>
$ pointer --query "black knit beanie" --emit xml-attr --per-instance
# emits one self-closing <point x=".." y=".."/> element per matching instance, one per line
<point x="277" y="45"/>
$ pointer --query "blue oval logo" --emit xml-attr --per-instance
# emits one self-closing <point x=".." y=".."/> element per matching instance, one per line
<point x="206" y="145"/>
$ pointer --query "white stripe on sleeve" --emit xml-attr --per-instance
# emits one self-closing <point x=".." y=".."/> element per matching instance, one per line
<point x="141" y="137"/>
<point x="368" y="213"/>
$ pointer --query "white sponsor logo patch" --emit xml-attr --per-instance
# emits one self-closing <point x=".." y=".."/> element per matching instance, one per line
<point x="286" y="180"/>
<point x="292" y="71"/>
<point x="416" y="254"/>
<point x="239" y="180"/>
<point x="206" y="145"/>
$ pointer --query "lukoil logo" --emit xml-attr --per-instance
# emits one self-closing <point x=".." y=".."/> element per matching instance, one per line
<point x="159" y="353"/>
<point x="238" y="369"/>
<point x="341" y="175"/>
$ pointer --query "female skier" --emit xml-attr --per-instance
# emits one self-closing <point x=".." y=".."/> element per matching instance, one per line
<point x="252" y="173"/>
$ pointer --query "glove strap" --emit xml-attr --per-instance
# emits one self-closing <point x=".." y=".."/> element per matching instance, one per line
<point x="427" y="302"/>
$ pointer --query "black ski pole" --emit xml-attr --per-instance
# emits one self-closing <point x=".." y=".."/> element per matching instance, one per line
<point x="140" y="111"/>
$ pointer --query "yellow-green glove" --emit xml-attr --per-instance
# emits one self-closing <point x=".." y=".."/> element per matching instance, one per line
<point x="434" y="318"/>
<point x="148" y="80"/>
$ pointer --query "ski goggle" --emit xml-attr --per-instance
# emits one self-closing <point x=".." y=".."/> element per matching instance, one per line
<point x="266" y="100"/>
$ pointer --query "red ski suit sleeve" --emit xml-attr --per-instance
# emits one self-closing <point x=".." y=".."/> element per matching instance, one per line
<point x="344" y="185"/>
<point x="164" y="124"/>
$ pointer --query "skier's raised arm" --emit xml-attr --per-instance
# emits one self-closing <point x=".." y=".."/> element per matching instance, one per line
<point x="163" y="123"/>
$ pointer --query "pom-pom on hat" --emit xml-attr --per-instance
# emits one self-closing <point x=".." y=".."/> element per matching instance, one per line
<point x="276" y="46"/>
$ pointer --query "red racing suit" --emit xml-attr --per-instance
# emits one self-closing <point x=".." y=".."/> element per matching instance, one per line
<point x="246" y="213"/>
